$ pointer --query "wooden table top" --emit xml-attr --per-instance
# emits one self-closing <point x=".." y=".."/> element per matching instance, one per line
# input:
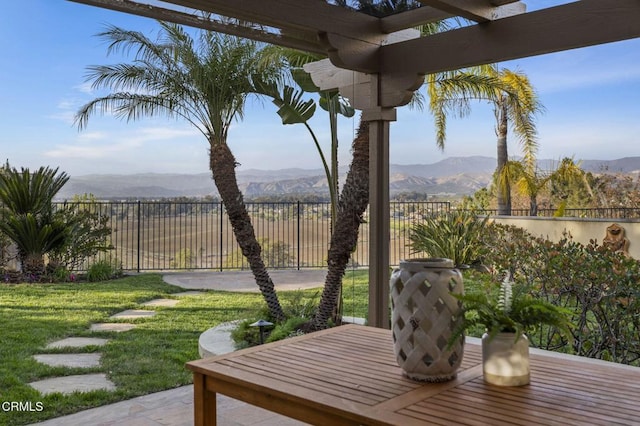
<point x="351" y="372"/>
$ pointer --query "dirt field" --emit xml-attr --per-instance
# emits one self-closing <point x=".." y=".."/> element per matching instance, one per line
<point x="165" y="236"/>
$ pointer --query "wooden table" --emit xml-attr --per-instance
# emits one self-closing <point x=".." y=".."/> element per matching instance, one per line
<point x="348" y="376"/>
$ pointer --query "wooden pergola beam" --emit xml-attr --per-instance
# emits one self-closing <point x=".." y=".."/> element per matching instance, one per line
<point x="573" y="25"/>
<point x="314" y="16"/>
<point x="476" y="10"/>
<point x="305" y="42"/>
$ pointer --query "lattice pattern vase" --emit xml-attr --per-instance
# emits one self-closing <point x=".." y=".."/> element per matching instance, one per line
<point x="424" y="316"/>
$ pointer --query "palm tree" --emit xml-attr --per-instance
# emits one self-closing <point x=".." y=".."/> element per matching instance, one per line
<point x="515" y="105"/>
<point x="353" y="202"/>
<point x="207" y="86"/>
<point x="527" y="182"/>
<point x="531" y="182"/>
<point x="354" y="197"/>
<point x="28" y="216"/>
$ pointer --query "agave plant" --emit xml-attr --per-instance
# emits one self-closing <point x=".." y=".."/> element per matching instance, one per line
<point x="455" y="235"/>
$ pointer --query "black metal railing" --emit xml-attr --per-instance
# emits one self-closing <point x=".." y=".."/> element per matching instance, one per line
<point x="590" y="213"/>
<point x="154" y="235"/>
<point x="157" y="235"/>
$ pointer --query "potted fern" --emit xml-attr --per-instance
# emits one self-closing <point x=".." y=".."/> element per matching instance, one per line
<point x="507" y="319"/>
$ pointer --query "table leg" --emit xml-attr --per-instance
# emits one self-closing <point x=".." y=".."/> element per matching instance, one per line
<point x="204" y="402"/>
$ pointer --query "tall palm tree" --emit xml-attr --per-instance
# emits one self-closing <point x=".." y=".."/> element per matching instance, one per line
<point x="515" y="105"/>
<point x="352" y="204"/>
<point x="354" y="197"/>
<point x="204" y="83"/>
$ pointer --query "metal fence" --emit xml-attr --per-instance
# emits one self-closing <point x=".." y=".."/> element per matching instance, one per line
<point x="591" y="213"/>
<point x="149" y="236"/>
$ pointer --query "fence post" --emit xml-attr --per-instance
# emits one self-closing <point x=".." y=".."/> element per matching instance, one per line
<point x="139" y="234"/>
<point x="298" y="242"/>
<point x="221" y="233"/>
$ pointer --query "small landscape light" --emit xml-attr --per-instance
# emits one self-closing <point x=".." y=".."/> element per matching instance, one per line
<point x="261" y="324"/>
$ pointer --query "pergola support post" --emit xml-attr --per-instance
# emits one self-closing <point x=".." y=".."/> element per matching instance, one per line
<point x="379" y="219"/>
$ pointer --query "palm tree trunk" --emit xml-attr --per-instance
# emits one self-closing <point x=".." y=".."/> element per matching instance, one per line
<point x="504" y="191"/>
<point x="533" y="205"/>
<point x="223" y="164"/>
<point x="354" y="200"/>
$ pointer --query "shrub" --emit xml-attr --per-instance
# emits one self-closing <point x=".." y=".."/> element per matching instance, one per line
<point x="599" y="286"/>
<point x="289" y="328"/>
<point x="87" y="233"/>
<point x="276" y="254"/>
<point x="103" y="270"/>
<point x="61" y="275"/>
<point x="298" y="305"/>
<point x="454" y="235"/>
<point x="184" y="259"/>
<point x="298" y="308"/>
<point x="27" y="214"/>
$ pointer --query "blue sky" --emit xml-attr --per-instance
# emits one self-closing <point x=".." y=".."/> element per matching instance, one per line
<point x="591" y="97"/>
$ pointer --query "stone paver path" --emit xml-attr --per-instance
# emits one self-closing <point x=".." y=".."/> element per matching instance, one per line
<point x="90" y="382"/>
<point x="112" y="326"/>
<point x="187" y="293"/>
<point x="77" y="342"/>
<point x="133" y="314"/>
<point x="165" y="303"/>
<point x="70" y="360"/>
<point x="70" y="384"/>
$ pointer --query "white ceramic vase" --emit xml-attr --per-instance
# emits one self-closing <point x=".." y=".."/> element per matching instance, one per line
<point x="505" y="359"/>
<point x="424" y="315"/>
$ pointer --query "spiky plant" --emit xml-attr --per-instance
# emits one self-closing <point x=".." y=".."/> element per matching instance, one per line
<point x="455" y="235"/>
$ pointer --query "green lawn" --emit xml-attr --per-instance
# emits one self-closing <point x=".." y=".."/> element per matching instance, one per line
<point x="147" y="359"/>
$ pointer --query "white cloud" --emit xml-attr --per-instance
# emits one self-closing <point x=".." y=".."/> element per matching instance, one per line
<point x="64" y="116"/>
<point x="101" y="145"/>
<point x="92" y="136"/>
<point x="84" y="88"/>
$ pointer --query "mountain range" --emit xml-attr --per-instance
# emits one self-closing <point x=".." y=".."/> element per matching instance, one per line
<point x="452" y="176"/>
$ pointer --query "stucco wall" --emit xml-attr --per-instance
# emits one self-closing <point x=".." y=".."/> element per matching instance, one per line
<point x="581" y="229"/>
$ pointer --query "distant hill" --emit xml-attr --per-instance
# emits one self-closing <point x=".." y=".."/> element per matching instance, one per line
<point x="455" y="175"/>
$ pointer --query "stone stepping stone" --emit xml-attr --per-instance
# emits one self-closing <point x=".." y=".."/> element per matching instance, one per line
<point x="168" y="303"/>
<point x="187" y="293"/>
<point x="77" y="342"/>
<point x="70" y="384"/>
<point x="70" y="360"/>
<point x="112" y="326"/>
<point x="133" y="314"/>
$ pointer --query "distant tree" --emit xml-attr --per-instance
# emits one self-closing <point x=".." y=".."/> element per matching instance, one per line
<point x="480" y="201"/>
